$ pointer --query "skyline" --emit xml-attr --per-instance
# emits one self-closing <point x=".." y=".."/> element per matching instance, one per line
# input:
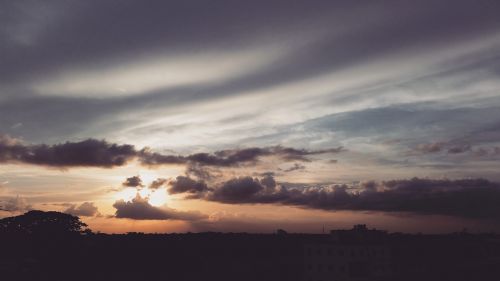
<point x="176" y="116"/>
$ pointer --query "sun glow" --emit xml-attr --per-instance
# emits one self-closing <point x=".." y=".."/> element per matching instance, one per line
<point x="156" y="198"/>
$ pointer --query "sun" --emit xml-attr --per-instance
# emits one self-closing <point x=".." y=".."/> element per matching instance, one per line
<point x="156" y="197"/>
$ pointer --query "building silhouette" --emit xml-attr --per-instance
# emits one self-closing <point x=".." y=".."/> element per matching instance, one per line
<point x="358" y="254"/>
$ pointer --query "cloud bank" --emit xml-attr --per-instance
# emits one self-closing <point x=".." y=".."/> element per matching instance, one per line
<point x="140" y="209"/>
<point x="86" y="209"/>
<point x="473" y="198"/>
<point x="100" y="153"/>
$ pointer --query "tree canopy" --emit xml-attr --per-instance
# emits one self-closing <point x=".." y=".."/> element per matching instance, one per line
<point x="42" y="223"/>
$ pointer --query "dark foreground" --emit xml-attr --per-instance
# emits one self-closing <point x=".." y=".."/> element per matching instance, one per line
<point x="54" y="246"/>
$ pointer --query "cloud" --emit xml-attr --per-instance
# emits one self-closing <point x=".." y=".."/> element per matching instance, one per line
<point x="237" y="190"/>
<point x="202" y="172"/>
<point x="14" y="204"/>
<point x="159" y="182"/>
<point x="134" y="181"/>
<point x="430" y="147"/>
<point x="295" y="167"/>
<point x="184" y="184"/>
<point x="437" y="147"/>
<point x="100" y="153"/>
<point x="457" y="149"/>
<point x="140" y="209"/>
<point x="473" y="198"/>
<point x="86" y="209"/>
<point x="235" y="157"/>
<point x="87" y="153"/>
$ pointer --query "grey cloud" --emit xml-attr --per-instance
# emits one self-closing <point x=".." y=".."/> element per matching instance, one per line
<point x="83" y="36"/>
<point x="86" y="209"/>
<point x="436" y="147"/>
<point x="395" y="121"/>
<point x="99" y="37"/>
<point x="100" y="153"/>
<point x="235" y="157"/>
<point x="430" y="147"/>
<point x="87" y="153"/>
<point x="474" y="198"/>
<point x="202" y="172"/>
<point x="134" y="181"/>
<point x="456" y="149"/>
<point x="184" y="184"/>
<point x="237" y="190"/>
<point x="159" y="182"/>
<point x="295" y="167"/>
<point x="140" y="209"/>
<point x="14" y="204"/>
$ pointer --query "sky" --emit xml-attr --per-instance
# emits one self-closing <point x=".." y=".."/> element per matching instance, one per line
<point x="249" y="116"/>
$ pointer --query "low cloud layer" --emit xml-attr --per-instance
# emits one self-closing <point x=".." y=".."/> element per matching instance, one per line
<point x="87" y="153"/>
<point x="140" y="209"/>
<point x="474" y="198"/>
<point x="86" y="209"/>
<point x="100" y="153"/>
<point x="234" y="157"/>
<point x="184" y="184"/>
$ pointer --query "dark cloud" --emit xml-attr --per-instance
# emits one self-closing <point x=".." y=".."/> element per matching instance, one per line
<point x="235" y="157"/>
<point x="86" y="209"/>
<point x="87" y="153"/>
<point x="237" y="190"/>
<point x="159" y="182"/>
<point x="115" y="32"/>
<point x="457" y="149"/>
<point x="134" y="181"/>
<point x="202" y="172"/>
<point x="100" y="153"/>
<point x="268" y="181"/>
<point x="184" y="184"/>
<point x="295" y="167"/>
<point x="140" y="209"/>
<point x="474" y="198"/>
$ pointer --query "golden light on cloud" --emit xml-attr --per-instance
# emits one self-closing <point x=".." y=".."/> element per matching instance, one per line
<point x="156" y="198"/>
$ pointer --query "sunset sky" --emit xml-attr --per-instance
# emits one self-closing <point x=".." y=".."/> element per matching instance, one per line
<point x="175" y="116"/>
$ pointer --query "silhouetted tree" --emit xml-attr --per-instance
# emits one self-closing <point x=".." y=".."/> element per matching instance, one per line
<point x="42" y="223"/>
